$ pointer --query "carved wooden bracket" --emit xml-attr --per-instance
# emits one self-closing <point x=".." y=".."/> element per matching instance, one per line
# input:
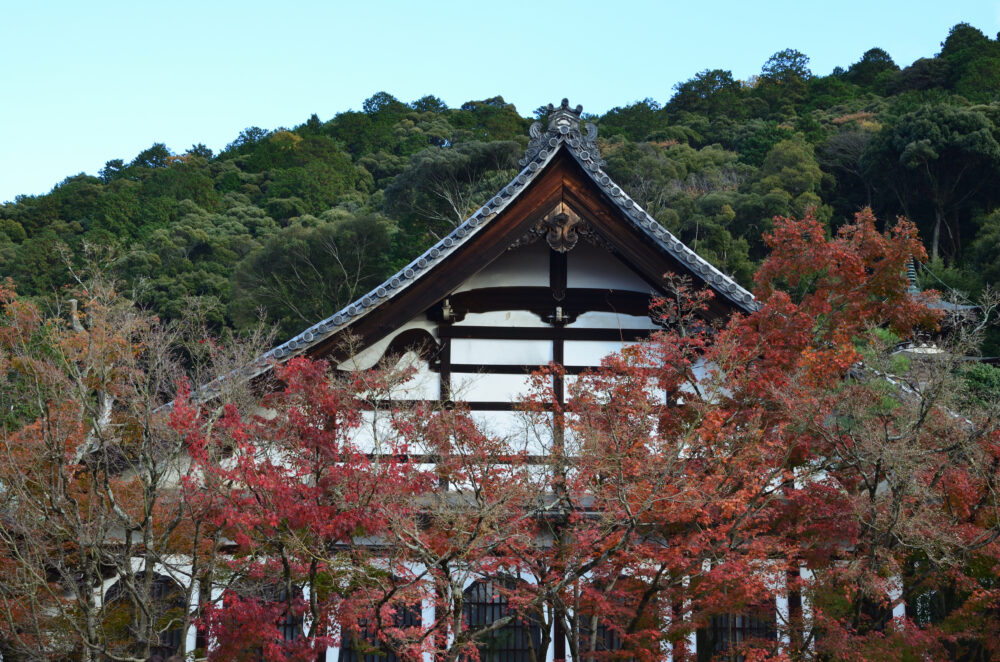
<point x="562" y="228"/>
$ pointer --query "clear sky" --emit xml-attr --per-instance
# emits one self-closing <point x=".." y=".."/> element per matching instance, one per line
<point x="86" y="82"/>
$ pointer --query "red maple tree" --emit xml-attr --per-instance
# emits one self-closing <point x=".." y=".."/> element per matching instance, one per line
<point x="786" y="469"/>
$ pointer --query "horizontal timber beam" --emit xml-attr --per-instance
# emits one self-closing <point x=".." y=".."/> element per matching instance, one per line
<point x="541" y="333"/>
<point x="493" y="369"/>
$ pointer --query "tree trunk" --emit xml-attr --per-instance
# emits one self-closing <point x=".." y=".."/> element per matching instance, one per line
<point x="91" y="625"/>
<point x="936" y="240"/>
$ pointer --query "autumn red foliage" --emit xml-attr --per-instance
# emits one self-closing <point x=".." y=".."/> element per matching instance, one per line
<point x="780" y="486"/>
<point x="773" y="469"/>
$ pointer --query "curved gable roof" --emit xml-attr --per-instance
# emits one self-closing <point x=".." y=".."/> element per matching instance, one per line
<point x="564" y="133"/>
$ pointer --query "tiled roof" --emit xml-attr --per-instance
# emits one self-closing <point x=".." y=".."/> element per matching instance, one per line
<point x="562" y="133"/>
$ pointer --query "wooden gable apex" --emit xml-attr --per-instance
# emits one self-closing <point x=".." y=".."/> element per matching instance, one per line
<point x="561" y="194"/>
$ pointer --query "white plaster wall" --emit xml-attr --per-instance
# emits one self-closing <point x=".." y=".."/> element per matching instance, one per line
<point x="375" y="432"/>
<point x="590" y="352"/>
<point x="423" y="385"/>
<point x="524" y="433"/>
<point x="589" y="266"/>
<point x="606" y="320"/>
<point x="369" y="356"/>
<point x="480" y="387"/>
<point x="523" y="267"/>
<point x="503" y="318"/>
<point x="708" y="386"/>
<point x="500" y="352"/>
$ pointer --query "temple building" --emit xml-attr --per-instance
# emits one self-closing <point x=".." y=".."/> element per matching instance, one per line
<point x="559" y="266"/>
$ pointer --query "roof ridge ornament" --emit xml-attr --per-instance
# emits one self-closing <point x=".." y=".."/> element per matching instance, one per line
<point x="564" y="126"/>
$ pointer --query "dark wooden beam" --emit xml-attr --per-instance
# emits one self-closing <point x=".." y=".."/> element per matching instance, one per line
<point x="558" y="269"/>
<point x="493" y="369"/>
<point x="541" y="301"/>
<point x="543" y="333"/>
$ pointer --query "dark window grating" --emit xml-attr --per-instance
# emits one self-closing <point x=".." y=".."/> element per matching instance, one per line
<point x="370" y="649"/>
<point x="608" y="639"/>
<point x="484" y="604"/>
<point x="167" y="599"/>
<point x="288" y="624"/>
<point x="729" y="632"/>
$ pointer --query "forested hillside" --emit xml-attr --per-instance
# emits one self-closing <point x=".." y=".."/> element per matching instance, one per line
<point x="294" y="223"/>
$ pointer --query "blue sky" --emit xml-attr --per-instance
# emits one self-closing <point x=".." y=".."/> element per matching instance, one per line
<point x="85" y="82"/>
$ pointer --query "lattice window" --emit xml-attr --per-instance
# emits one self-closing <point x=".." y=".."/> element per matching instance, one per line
<point x="620" y="612"/>
<point x="484" y="603"/>
<point x="289" y="624"/>
<point x="168" y="607"/>
<point x="728" y="633"/>
<point x="269" y="594"/>
<point x="368" y="647"/>
<point x="927" y="602"/>
<point x="607" y="640"/>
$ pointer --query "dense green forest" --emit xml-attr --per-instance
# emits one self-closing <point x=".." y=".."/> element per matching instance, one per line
<point x="288" y="225"/>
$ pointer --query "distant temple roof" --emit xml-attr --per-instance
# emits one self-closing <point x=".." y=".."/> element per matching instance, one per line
<point x="936" y="302"/>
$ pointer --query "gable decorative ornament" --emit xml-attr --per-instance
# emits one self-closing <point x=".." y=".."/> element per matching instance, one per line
<point x="564" y="125"/>
<point x="560" y="227"/>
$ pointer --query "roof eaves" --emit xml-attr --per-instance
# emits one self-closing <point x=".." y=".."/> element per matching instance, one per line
<point x="564" y="131"/>
<point x="565" y="128"/>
